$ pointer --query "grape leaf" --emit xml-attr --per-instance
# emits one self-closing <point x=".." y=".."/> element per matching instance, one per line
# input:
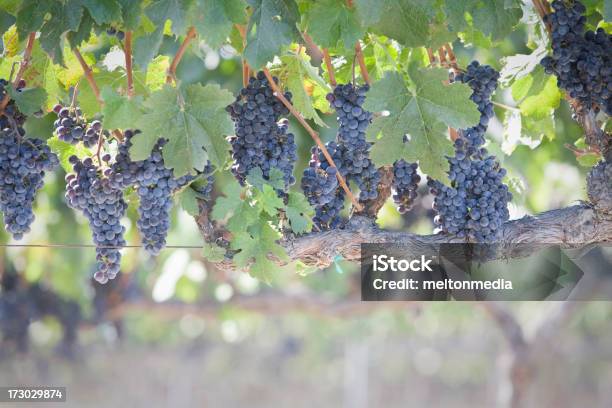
<point x="64" y="150"/>
<point x="539" y="105"/>
<point x="40" y="128"/>
<point x="227" y="204"/>
<point x="529" y="85"/>
<point x="6" y="20"/>
<point x="266" y="200"/>
<point x="103" y="11"/>
<point x="299" y="212"/>
<point x="403" y="20"/>
<point x="119" y="111"/>
<point x="188" y="199"/>
<point x="214" y="19"/>
<point x="147" y="46"/>
<point x="272" y="25"/>
<point x="244" y="216"/>
<point x="195" y="123"/>
<point x="83" y="32"/>
<point x="519" y="66"/>
<point x="213" y="252"/>
<point x="608" y="10"/>
<point x="496" y="17"/>
<point x="41" y="73"/>
<point x="296" y="69"/>
<point x="130" y="13"/>
<point x="526" y="131"/>
<point x="31" y="16"/>
<point x="29" y="100"/>
<point x="156" y="72"/>
<point x="175" y="10"/>
<point x="255" y="245"/>
<point x="331" y="22"/>
<point x="64" y="17"/>
<point x="256" y="179"/>
<point x="423" y="113"/>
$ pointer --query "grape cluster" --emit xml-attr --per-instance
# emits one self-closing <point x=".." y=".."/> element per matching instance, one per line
<point x="405" y="184"/>
<point x="353" y="149"/>
<point x="23" y="163"/>
<point x="154" y="184"/>
<point x="71" y="126"/>
<point x="261" y="141"/>
<point x="91" y="190"/>
<point x="113" y="32"/>
<point x="475" y="205"/>
<point x="581" y="61"/>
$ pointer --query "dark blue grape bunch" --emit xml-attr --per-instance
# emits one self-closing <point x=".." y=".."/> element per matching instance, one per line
<point x="72" y="127"/>
<point x="23" y="163"/>
<point x="582" y="61"/>
<point x="155" y="185"/>
<point x="353" y="120"/>
<point x="260" y="140"/>
<point x="90" y="190"/>
<point x="205" y="190"/>
<point x="475" y="205"/>
<point x="113" y="32"/>
<point x="405" y="184"/>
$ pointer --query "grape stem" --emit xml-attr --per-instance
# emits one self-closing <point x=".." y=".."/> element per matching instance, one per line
<point x="171" y="74"/>
<point x="88" y="75"/>
<point x="313" y="134"/>
<point x="362" y="64"/>
<point x="315" y="51"/>
<point x="128" y="64"/>
<point x="23" y="66"/>
<point x="506" y="107"/>
<point x="330" y="68"/>
<point x="245" y="66"/>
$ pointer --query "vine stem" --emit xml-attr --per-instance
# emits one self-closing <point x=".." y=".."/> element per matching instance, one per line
<point x="362" y="64"/>
<point x="25" y="62"/>
<point x="88" y="75"/>
<point x="128" y="64"/>
<point x="315" y="51"/>
<point x="314" y="135"/>
<point x="245" y="66"/>
<point x="330" y="68"/>
<point x="171" y="75"/>
<point x="506" y="107"/>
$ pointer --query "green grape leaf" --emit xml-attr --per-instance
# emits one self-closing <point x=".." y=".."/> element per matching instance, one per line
<point x="175" y="10"/>
<point x="40" y="128"/>
<point x="147" y="46"/>
<point x="539" y="105"/>
<point x="103" y="11"/>
<point x="296" y="70"/>
<point x="496" y="17"/>
<point x="406" y="21"/>
<point x="268" y="201"/>
<point x="214" y="19"/>
<point x="423" y="113"/>
<point x="331" y="22"/>
<point x="257" y="180"/>
<point x="455" y="13"/>
<point x="130" y="13"/>
<point x="255" y="246"/>
<point x="227" y="204"/>
<point x="42" y="73"/>
<point x="64" y="150"/>
<point x="156" y="72"/>
<point x="213" y="252"/>
<point x="527" y="131"/>
<point x="6" y="20"/>
<point x="188" y="199"/>
<point x="29" y="100"/>
<point x="120" y="112"/>
<point x="272" y="26"/>
<point x="299" y="212"/>
<point x="64" y="17"/>
<point x="31" y="16"/>
<point x="243" y="217"/>
<point x="519" y="66"/>
<point x="195" y="123"/>
<point x="608" y="10"/>
<point x="529" y="85"/>
<point x="83" y="32"/>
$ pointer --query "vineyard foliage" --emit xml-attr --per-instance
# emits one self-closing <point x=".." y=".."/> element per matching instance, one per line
<point x="160" y="81"/>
